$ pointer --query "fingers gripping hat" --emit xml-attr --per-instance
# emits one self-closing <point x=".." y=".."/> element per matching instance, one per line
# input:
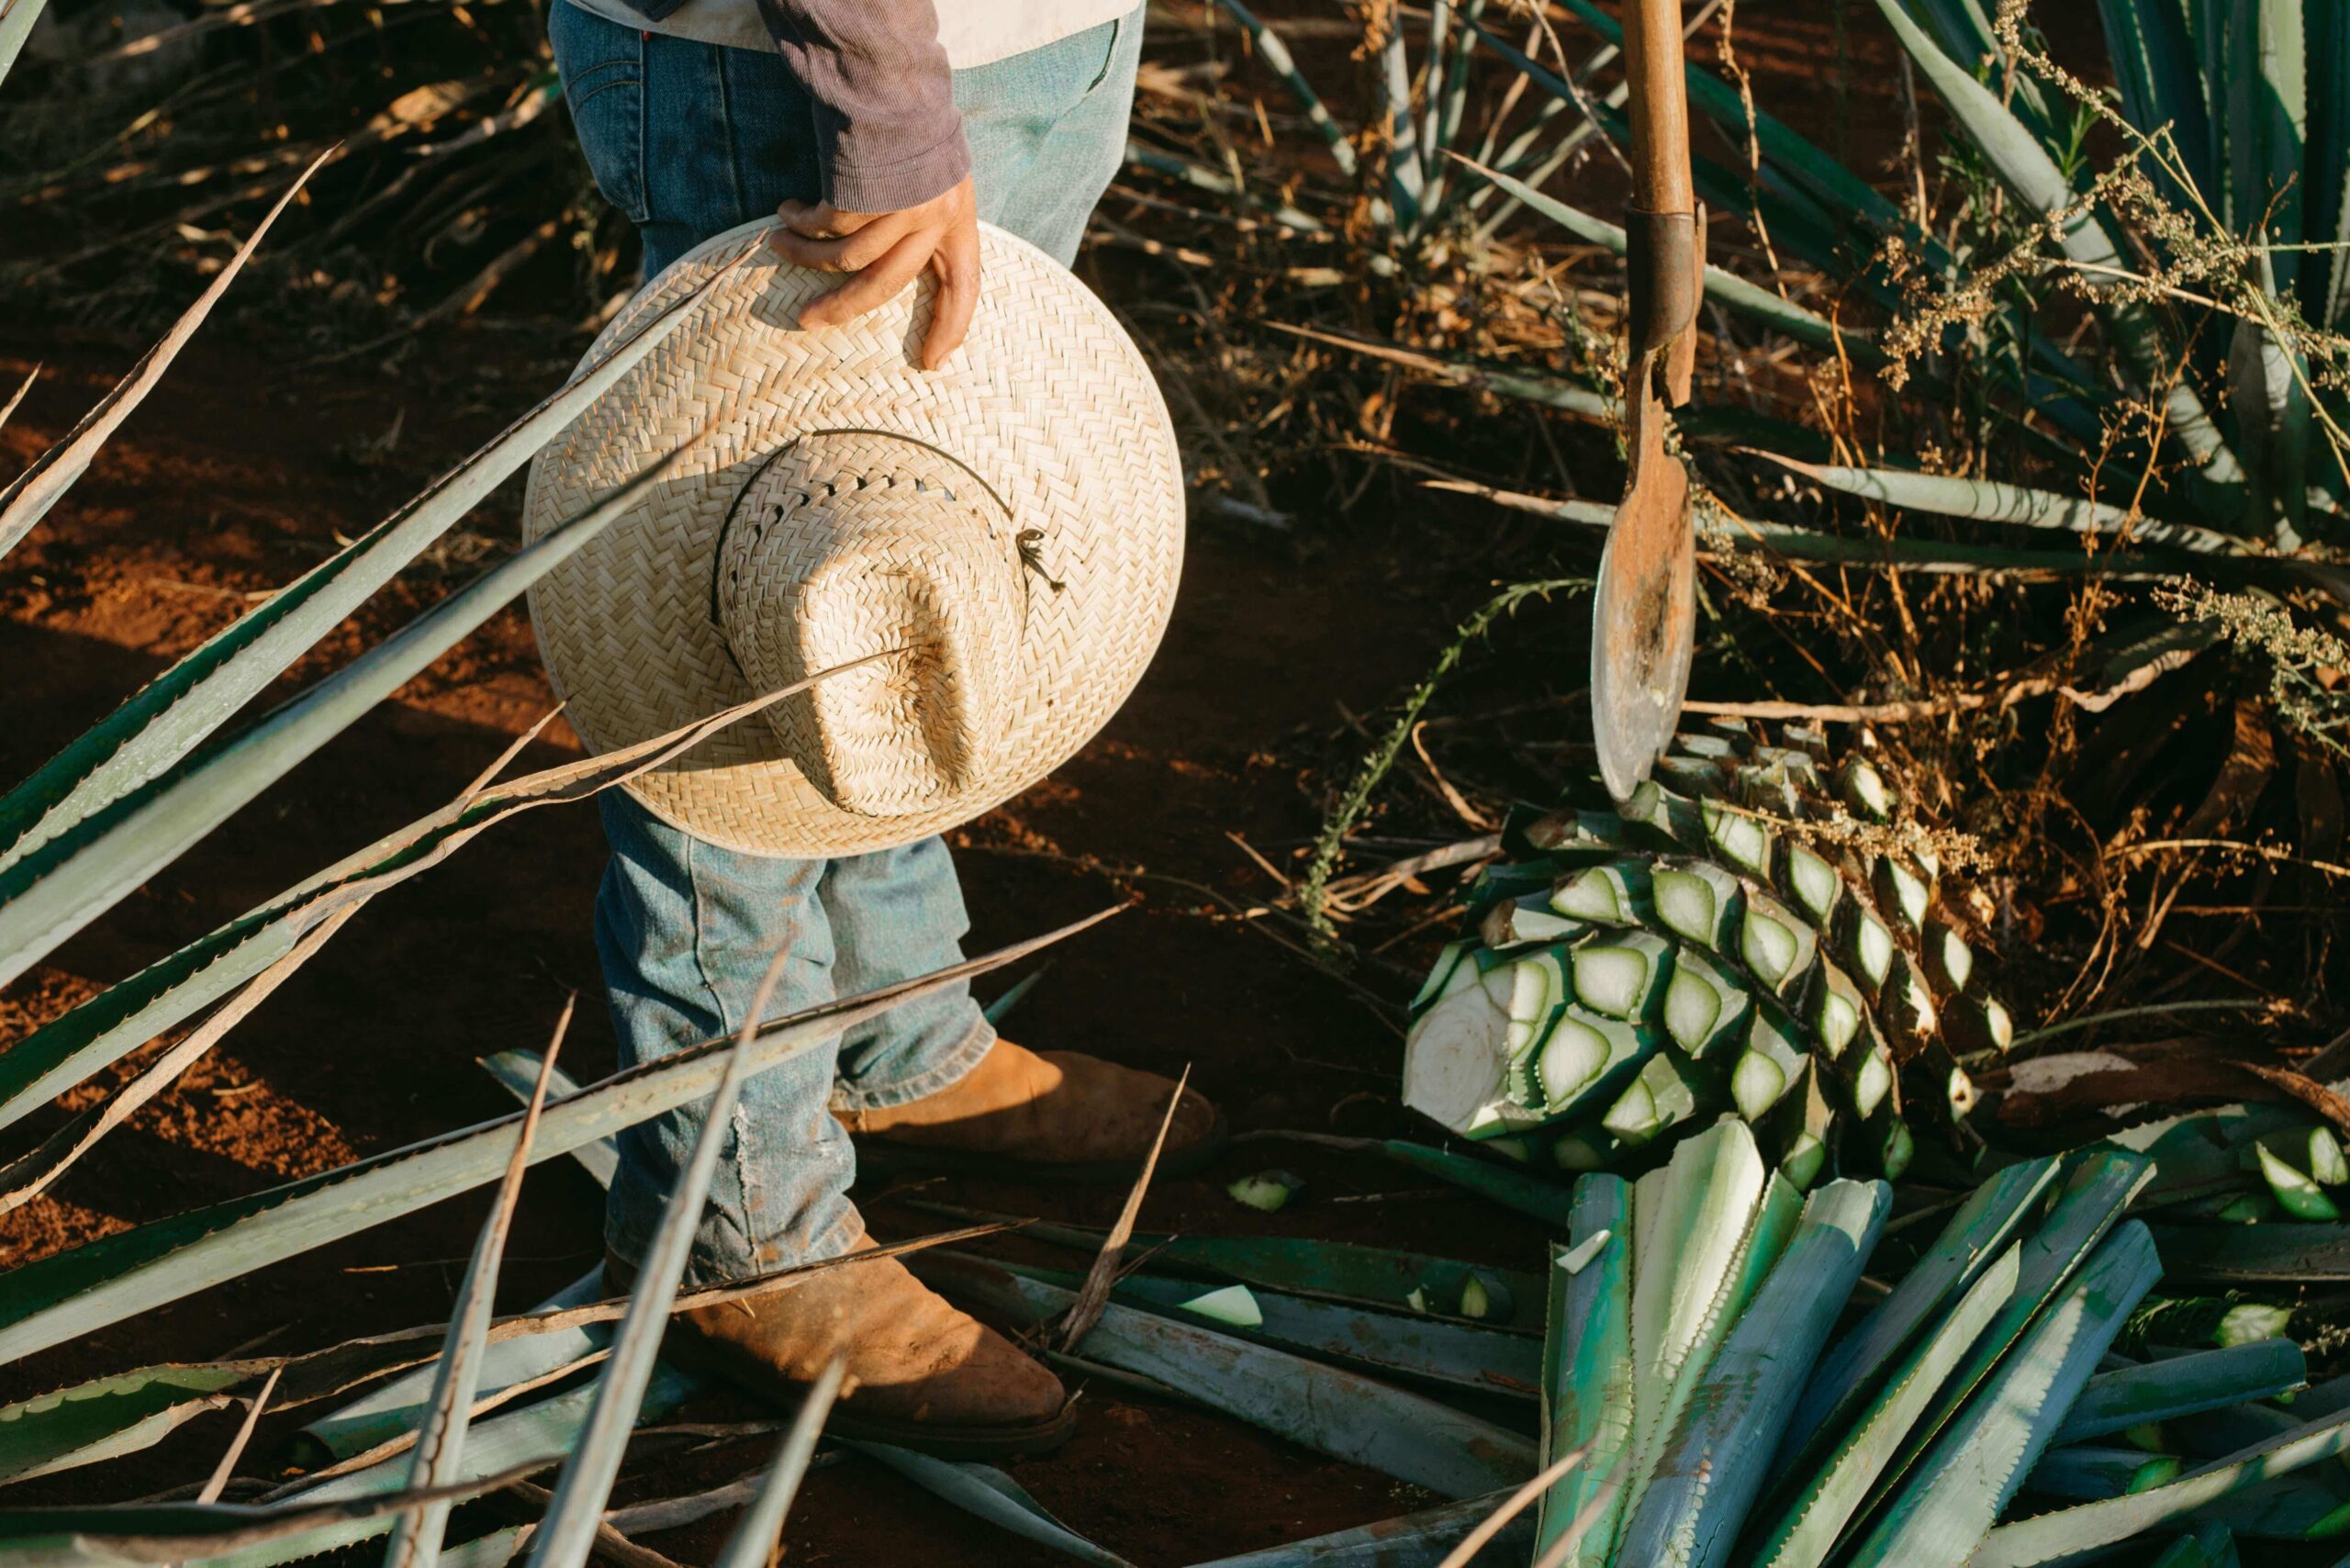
<point x="1006" y="532"/>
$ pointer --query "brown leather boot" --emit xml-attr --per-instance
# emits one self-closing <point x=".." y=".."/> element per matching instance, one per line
<point x="1057" y="1115"/>
<point x="921" y="1374"/>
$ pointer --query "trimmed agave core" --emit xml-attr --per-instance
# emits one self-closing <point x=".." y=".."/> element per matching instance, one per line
<point x="1703" y="949"/>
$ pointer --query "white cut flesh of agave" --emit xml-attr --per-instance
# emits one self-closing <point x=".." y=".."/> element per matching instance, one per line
<point x="1836" y="1013"/>
<point x="1872" y="948"/>
<point x="1738" y="838"/>
<point x="1813" y="883"/>
<point x="1602" y="895"/>
<point x="1955" y="958"/>
<point x="1704" y="1008"/>
<point x="1234" y="1305"/>
<point x="1871" y="1084"/>
<point x="1457" y="1058"/>
<point x="1616" y="977"/>
<point x="1770" y="947"/>
<point x="1756" y="1084"/>
<point x="1583" y="1048"/>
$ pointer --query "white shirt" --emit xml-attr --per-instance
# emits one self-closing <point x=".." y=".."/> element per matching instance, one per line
<point x="975" y="32"/>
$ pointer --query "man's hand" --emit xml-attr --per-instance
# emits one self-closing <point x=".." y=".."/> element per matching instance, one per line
<point x="886" y="251"/>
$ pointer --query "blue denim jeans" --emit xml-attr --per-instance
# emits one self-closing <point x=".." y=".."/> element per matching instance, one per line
<point x="690" y="140"/>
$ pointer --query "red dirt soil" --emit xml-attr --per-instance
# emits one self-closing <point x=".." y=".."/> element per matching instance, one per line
<point x="237" y="475"/>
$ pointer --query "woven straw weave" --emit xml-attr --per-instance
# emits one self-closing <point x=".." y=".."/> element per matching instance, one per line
<point x="1011" y="526"/>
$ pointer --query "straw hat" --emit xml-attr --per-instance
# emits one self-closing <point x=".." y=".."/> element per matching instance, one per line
<point x="1012" y="523"/>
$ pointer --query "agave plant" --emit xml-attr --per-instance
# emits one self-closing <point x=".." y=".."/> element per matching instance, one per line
<point x="1694" y="1358"/>
<point x="2231" y="186"/>
<point x="1750" y="932"/>
<point x="1422" y="129"/>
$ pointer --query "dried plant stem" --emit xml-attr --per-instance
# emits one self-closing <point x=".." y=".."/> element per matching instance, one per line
<point x="1313" y="892"/>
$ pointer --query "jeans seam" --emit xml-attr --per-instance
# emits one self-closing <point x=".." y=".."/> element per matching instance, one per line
<point x="1109" y="58"/>
<point x="738" y="1126"/>
<point x="644" y="192"/>
<point x="950" y="1070"/>
<point x="733" y="142"/>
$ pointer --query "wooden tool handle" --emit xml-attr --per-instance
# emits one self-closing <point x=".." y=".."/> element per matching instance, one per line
<point x="1660" y="106"/>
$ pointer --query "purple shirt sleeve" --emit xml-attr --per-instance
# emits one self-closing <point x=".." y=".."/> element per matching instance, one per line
<point x="888" y="134"/>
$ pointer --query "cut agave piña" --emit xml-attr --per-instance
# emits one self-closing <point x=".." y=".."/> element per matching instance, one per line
<point x="1739" y="931"/>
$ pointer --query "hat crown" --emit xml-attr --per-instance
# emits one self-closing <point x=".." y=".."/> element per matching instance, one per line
<point x="848" y="544"/>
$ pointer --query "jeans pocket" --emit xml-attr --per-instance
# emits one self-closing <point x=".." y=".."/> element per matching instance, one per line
<point x="602" y="64"/>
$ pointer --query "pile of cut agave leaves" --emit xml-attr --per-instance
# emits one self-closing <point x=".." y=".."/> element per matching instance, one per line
<point x="1696" y="1043"/>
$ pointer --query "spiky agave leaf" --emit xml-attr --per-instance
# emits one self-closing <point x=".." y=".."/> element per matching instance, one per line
<point x="109" y="1415"/>
<point x="1381" y="1278"/>
<point x="984" y="1491"/>
<point x="1417" y="1346"/>
<point x="2029" y="170"/>
<point x="1706" y="1228"/>
<point x="168" y="717"/>
<point x="1588" y="1373"/>
<point x="176" y="1532"/>
<point x="440" y="1440"/>
<point x="1956" y="1494"/>
<point x="2068" y="1533"/>
<point x="1713" y="1465"/>
<point x="1425" y="1538"/>
<point x="1832" y="1492"/>
<point x="117" y="1276"/>
<point x="94" y="1034"/>
<point x="2099" y="1188"/>
<point x="757" y="1538"/>
<point x="28" y="498"/>
<point x="2124" y="1398"/>
<point x="53" y="891"/>
<point x="567" y="1534"/>
<point x="2088" y="1470"/>
<point x="1328" y="1409"/>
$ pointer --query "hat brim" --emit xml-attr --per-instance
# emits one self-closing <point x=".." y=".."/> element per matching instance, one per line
<point x="1048" y="401"/>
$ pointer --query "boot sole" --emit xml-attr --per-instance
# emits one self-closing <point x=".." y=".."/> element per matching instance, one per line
<point x="881" y="1156"/>
<point x="1009" y="1439"/>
